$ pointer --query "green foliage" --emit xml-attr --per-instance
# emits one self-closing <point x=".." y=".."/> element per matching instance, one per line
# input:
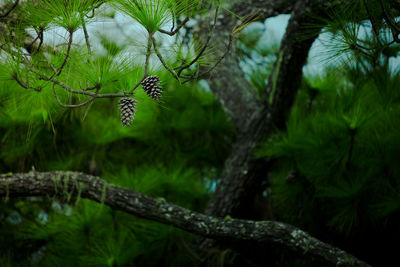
<point x="168" y="152"/>
<point x="64" y="13"/>
<point x="337" y="161"/>
<point x="257" y="56"/>
<point x="152" y="15"/>
<point x="185" y="51"/>
<point x="172" y="151"/>
<point x="341" y="147"/>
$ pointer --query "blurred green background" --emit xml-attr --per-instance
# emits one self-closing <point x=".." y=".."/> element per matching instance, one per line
<point x="336" y="168"/>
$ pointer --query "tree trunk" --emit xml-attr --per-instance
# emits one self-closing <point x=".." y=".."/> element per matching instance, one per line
<point x="244" y="175"/>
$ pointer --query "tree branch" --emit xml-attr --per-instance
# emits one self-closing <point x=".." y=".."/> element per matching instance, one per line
<point x="10" y="10"/>
<point x="173" y="32"/>
<point x="66" y="185"/>
<point x="228" y="81"/>
<point x="243" y="173"/>
<point x="285" y="78"/>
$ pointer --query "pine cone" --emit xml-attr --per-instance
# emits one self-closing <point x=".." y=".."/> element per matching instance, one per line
<point x="151" y="85"/>
<point x="127" y="106"/>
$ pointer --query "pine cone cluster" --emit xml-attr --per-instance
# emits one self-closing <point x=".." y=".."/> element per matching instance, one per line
<point x="151" y="85"/>
<point x="127" y="107"/>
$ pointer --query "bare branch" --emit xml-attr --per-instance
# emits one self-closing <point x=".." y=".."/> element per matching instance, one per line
<point x="374" y="23"/>
<point x="182" y="68"/>
<point x="206" y="73"/>
<point x="79" y="92"/>
<point x="165" y="64"/>
<point x="10" y="10"/>
<point x="86" y="35"/>
<point x="139" y="82"/>
<point x="173" y="32"/>
<point x="392" y="24"/>
<point x="24" y="85"/>
<point x="58" y="72"/>
<point x="67" y="55"/>
<point x="66" y="184"/>
<point x="148" y="53"/>
<point x="69" y="89"/>
<point x="71" y="105"/>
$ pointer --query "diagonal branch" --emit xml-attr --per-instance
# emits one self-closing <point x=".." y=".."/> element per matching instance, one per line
<point x="228" y="81"/>
<point x="243" y="173"/>
<point x="162" y="60"/>
<point x="173" y="32"/>
<point x="285" y="78"/>
<point x="10" y="10"/>
<point x="182" y="68"/>
<point x="65" y="185"/>
<point x="72" y="105"/>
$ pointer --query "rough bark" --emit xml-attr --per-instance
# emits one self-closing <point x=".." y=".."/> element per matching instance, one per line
<point x="243" y="174"/>
<point x="69" y="185"/>
<point x="228" y="82"/>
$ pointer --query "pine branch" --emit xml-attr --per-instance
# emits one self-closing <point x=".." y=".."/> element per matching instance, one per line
<point x="210" y="34"/>
<point x="10" y="10"/>
<point x="173" y="32"/>
<point x="66" y="185"/>
<point x="163" y="62"/>
<point x="148" y="53"/>
<point x="85" y="31"/>
<point x="66" y="55"/>
<point x="73" y="105"/>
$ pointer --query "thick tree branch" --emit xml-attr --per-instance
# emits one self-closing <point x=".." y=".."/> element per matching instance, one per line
<point x="66" y="185"/>
<point x="243" y="174"/>
<point x="285" y="78"/>
<point x="228" y="82"/>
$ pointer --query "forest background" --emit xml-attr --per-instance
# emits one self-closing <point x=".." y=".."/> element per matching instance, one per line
<point x="327" y="161"/>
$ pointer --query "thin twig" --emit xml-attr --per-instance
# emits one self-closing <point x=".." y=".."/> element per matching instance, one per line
<point x="163" y="61"/>
<point x="41" y="40"/>
<point x="69" y="89"/>
<point x="139" y="82"/>
<point x="204" y="74"/>
<point x="390" y="22"/>
<point x="148" y="53"/>
<point x="359" y="48"/>
<point x="34" y="40"/>
<point x="173" y="21"/>
<point x="70" y="105"/>
<point x="86" y="35"/>
<point x="10" y="10"/>
<point x="87" y="86"/>
<point x="23" y="85"/>
<point x="66" y="56"/>
<point x="172" y="33"/>
<point x="204" y="47"/>
<point x="91" y="16"/>
<point x="373" y="22"/>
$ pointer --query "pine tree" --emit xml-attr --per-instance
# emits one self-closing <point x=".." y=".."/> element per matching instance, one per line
<point x="269" y="143"/>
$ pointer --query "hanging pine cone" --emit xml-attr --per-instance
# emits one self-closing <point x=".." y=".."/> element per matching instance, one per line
<point x="151" y="85"/>
<point x="127" y="107"/>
